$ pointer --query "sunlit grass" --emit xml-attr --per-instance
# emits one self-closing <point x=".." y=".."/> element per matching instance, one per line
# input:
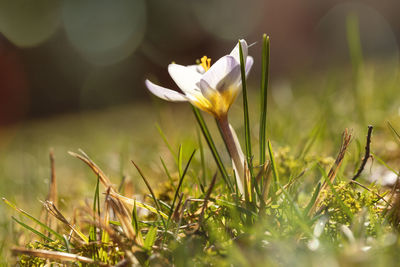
<point x="170" y="199"/>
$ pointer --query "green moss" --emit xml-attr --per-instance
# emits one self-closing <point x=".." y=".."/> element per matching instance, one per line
<point x="25" y="260"/>
<point x="356" y="201"/>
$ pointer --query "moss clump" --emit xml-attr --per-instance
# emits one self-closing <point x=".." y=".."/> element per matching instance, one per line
<point x="26" y="260"/>
<point x="105" y="252"/>
<point x="346" y="203"/>
<point x="290" y="163"/>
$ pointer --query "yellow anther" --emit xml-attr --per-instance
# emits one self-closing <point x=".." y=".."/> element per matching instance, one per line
<point x="205" y="63"/>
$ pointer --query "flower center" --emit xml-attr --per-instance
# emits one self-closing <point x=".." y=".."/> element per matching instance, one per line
<point x="205" y="62"/>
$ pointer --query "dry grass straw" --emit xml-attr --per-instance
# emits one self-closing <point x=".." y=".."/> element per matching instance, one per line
<point x="346" y="139"/>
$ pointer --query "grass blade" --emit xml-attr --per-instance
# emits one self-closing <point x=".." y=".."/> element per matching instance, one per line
<point x="381" y="161"/>
<point x="202" y="159"/>
<point x="44" y="237"/>
<point x="245" y="111"/>
<point x="313" y="199"/>
<point x="264" y="95"/>
<point x="133" y="202"/>
<point x="150" y="238"/>
<point x="60" y="237"/>
<point x="302" y="222"/>
<point x="103" y="178"/>
<point x="311" y="139"/>
<point x="52" y="209"/>
<point x="346" y="139"/>
<point x="238" y="207"/>
<point x="167" y="143"/>
<point x="211" y="145"/>
<point x="180" y="160"/>
<point x="180" y="183"/>
<point x="273" y="165"/>
<point x="96" y="207"/>
<point x="167" y="173"/>
<point x="394" y="132"/>
<point x="135" y="223"/>
<point x="151" y="191"/>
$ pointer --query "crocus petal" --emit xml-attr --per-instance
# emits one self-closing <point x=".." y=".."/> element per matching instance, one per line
<point x="235" y="51"/>
<point x="249" y="64"/>
<point x="206" y="90"/>
<point x="185" y="77"/>
<point x="196" y="68"/>
<point x="165" y="93"/>
<point x="223" y="74"/>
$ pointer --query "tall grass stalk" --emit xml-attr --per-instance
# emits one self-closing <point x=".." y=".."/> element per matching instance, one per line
<point x="264" y="95"/>
<point x="213" y="149"/>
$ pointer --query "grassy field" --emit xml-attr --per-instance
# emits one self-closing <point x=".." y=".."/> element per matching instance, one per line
<point x="306" y="118"/>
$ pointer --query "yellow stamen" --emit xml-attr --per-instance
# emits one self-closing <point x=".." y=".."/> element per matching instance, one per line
<point x="205" y="63"/>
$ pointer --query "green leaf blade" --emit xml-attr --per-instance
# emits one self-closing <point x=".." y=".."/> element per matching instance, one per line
<point x="264" y="96"/>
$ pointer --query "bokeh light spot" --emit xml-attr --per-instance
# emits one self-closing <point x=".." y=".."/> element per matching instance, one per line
<point x="105" y="32"/>
<point x="28" y="23"/>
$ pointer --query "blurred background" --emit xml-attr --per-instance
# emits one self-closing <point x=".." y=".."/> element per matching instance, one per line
<point x="69" y="56"/>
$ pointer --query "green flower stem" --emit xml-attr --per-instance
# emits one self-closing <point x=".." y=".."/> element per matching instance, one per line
<point x="232" y="149"/>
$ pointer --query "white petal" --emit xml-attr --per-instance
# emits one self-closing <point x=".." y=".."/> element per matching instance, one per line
<point x="165" y="93"/>
<point x="235" y="51"/>
<point x="196" y="68"/>
<point x="249" y="64"/>
<point x="206" y="90"/>
<point x="185" y="77"/>
<point x="224" y="73"/>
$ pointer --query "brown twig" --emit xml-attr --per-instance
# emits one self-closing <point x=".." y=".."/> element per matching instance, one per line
<point x="52" y="196"/>
<point x="334" y="169"/>
<point x="119" y="207"/>
<point x="366" y="188"/>
<point x="103" y="178"/>
<point x="263" y="171"/>
<point x="175" y="214"/>
<point x="367" y="154"/>
<point x="114" y="235"/>
<point x="123" y="216"/>
<point x="52" y="209"/>
<point x="56" y="255"/>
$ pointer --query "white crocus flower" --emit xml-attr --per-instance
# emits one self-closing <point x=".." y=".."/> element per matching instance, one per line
<point x="212" y="88"/>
